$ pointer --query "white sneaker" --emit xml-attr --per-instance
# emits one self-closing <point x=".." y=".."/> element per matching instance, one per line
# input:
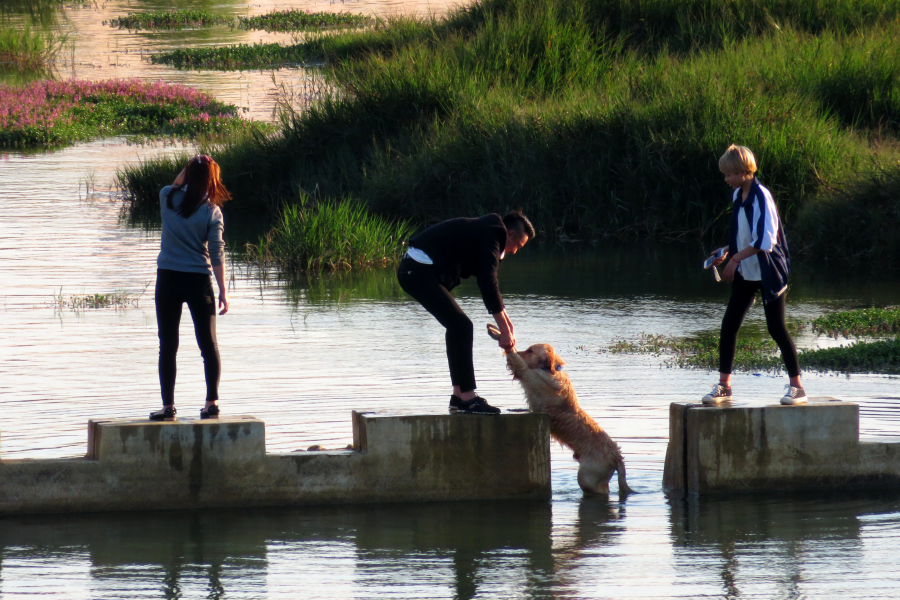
<point x="793" y="395"/>
<point x="718" y="394"/>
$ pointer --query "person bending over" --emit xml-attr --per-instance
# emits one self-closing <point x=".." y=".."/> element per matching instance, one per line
<point x="191" y="250"/>
<point x="436" y="260"/>
<point x="758" y="261"/>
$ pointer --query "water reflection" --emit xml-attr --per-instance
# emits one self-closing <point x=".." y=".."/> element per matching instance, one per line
<point x="763" y="546"/>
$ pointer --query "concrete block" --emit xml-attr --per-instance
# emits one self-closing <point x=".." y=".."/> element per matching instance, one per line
<point x="144" y="465"/>
<point x="177" y="443"/>
<point x="737" y="448"/>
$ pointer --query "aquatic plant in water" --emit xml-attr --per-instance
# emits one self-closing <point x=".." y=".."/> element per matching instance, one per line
<point x="240" y="56"/>
<point x="78" y="302"/>
<point x="299" y="20"/>
<point x="28" y="48"/>
<point x="169" y="19"/>
<point x="59" y="112"/>
<point x="330" y="235"/>
<point x="702" y="352"/>
<point x="860" y="322"/>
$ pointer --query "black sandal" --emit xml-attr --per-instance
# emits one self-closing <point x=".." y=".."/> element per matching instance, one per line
<point x="211" y="412"/>
<point x="166" y="413"/>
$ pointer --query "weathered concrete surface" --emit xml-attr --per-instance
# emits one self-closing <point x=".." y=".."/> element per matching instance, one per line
<point x="139" y="465"/>
<point x="743" y="448"/>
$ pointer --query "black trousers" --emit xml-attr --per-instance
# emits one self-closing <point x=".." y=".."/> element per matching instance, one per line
<point x="743" y="294"/>
<point x="421" y="282"/>
<point x="173" y="289"/>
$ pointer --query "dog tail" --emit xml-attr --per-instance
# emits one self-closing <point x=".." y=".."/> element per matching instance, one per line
<point x="623" y="485"/>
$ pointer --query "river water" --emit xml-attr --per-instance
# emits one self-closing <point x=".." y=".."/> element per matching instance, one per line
<point x="301" y="356"/>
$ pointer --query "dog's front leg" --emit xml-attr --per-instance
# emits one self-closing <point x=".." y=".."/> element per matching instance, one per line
<point x="516" y="365"/>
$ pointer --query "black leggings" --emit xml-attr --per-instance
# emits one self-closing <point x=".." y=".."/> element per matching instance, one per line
<point x="174" y="288"/>
<point x="421" y="282"/>
<point x="743" y="294"/>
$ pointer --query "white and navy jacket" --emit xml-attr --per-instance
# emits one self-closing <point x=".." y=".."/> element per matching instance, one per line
<point x="755" y="222"/>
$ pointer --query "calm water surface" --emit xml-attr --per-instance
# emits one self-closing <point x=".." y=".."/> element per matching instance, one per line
<point x="302" y="356"/>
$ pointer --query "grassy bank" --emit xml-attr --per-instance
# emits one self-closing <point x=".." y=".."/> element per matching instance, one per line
<point x="599" y="117"/>
<point x="330" y="236"/>
<point x="49" y="113"/>
<point x="27" y="48"/>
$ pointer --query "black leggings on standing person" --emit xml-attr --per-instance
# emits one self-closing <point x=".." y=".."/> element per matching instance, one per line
<point x="421" y="282"/>
<point x="173" y="289"/>
<point x="743" y="294"/>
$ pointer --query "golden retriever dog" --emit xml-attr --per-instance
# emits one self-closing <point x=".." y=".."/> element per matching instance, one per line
<point x="549" y="390"/>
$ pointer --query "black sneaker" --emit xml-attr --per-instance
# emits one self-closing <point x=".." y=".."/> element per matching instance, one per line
<point x="455" y="403"/>
<point x="477" y="406"/>
<point x="166" y="413"/>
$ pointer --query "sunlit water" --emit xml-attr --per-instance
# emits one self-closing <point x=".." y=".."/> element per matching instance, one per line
<point x="302" y="357"/>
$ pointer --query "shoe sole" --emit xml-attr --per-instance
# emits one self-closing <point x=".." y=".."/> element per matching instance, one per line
<point x="716" y="400"/>
<point x="793" y="402"/>
<point x="476" y="412"/>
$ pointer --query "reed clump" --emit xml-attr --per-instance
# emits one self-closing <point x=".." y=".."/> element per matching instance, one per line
<point x="169" y="19"/>
<point x="597" y="117"/>
<point x="329" y="235"/>
<point x="28" y="48"/>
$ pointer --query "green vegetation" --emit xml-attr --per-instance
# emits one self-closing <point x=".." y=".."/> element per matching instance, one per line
<point x="330" y="235"/>
<point x="862" y="322"/>
<point x="48" y="113"/>
<point x="169" y="19"/>
<point x="28" y="49"/>
<point x="702" y="352"/>
<point x="603" y="117"/>
<point x="299" y="20"/>
<point x="240" y="56"/>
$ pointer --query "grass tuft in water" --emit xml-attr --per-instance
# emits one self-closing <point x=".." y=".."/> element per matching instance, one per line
<point x="78" y="302"/>
<point x="858" y="323"/>
<point x="330" y="235"/>
<point x="240" y="56"/>
<point x="169" y="19"/>
<point x="28" y="48"/>
<point x="702" y="352"/>
<point x="299" y="20"/>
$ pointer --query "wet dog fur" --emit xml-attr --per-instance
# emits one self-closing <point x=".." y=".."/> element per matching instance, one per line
<point x="549" y="390"/>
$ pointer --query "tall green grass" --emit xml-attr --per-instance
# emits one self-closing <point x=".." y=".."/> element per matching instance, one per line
<point x="597" y="117"/>
<point x="330" y="236"/>
<point x="28" y="48"/>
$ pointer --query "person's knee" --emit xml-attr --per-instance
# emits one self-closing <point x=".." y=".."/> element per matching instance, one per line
<point x="461" y="327"/>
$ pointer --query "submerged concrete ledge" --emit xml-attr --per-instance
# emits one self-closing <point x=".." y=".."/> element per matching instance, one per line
<point x="744" y="448"/>
<point x="145" y="465"/>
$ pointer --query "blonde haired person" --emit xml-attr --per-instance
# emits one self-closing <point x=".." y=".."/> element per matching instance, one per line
<point x="191" y="250"/>
<point x="758" y="261"/>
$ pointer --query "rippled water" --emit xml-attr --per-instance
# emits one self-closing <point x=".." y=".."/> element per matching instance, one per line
<point x="301" y="357"/>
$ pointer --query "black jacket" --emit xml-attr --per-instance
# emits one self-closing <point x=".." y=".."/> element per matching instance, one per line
<point x="463" y="247"/>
